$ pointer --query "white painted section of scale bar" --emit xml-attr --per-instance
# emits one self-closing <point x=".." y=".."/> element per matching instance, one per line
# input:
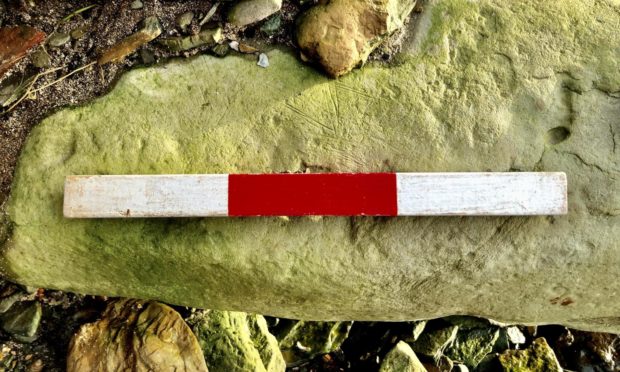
<point x="475" y="194"/>
<point x="408" y="194"/>
<point x="146" y="196"/>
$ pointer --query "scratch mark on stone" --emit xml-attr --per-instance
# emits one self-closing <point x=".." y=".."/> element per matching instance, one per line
<point x="309" y="118"/>
<point x="613" y="137"/>
<point x="356" y="91"/>
<point x="333" y="94"/>
<point x="584" y="162"/>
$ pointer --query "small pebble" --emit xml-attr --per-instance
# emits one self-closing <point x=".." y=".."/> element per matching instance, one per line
<point x="58" y="39"/>
<point x="78" y="33"/>
<point x="8" y="95"/>
<point x="41" y="59"/>
<point x="272" y="25"/>
<point x="263" y="60"/>
<point x="37" y="366"/>
<point x="245" y="48"/>
<point x="148" y="57"/>
<point x="220" y="50"/>
<point x="184" y="20"/>
<point x="234" y="45"/>
<point x="137" y="4"/>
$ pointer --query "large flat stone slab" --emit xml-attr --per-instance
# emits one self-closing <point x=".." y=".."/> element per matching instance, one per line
<point x="483" y="86"/>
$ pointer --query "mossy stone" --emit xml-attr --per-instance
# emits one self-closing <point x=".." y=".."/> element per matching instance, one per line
<point x="477" y="88"/>
<point x="236" y="341"/>
<point x="538" y="357"/>
<point x="305" y="339"/>
<point x="433" y="343"/>
<point x="471" y="346"/>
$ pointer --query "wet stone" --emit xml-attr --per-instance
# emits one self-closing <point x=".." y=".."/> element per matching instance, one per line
<point x="263" y="60"/>
<point x="79" y="32"/>
<point x="272" y="25"/>
<point x="136" y="336"/>
<point x="433" y="342"/>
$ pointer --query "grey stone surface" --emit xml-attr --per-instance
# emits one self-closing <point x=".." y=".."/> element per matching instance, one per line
<point x="246" y="12"/>
<point x="401" y="359"/>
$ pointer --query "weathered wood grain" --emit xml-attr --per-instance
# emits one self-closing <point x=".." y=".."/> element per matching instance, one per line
<point x="146" y="196"/>
<point x="474" y="194"/>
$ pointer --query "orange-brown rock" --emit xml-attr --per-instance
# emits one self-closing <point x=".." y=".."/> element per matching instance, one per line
<point x="15" y="42"/>
<point x="131" y="43"/>
<point x="342" y="33"/>
<point x="136" y="336"/>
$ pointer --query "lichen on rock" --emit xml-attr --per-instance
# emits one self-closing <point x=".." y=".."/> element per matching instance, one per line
<point x="471" y="346"/>
<point x="538" y="357"/>
<point x="236" y="341"/>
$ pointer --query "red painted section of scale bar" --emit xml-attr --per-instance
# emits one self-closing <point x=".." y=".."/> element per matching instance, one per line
<point x="328" y="194"/>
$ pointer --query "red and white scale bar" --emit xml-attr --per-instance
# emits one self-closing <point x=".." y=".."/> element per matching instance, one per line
<point x="332" y="194"/>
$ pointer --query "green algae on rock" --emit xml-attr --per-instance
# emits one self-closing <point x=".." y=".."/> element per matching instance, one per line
<point x="236" y="341"/>
<point x="477" y="89"/>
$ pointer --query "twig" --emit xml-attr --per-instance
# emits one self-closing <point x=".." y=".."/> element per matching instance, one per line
<point x="210" y="14"/>
<point x="30" y="85"/>
<point x="71" y="15"/>
<point x="29" y="90"/>
<point x="63" y="77"/>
